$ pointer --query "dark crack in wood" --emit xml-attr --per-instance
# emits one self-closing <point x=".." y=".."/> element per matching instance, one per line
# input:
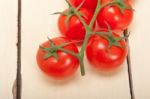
<point x="18" y="78"/>
<point x="129" y="68"/>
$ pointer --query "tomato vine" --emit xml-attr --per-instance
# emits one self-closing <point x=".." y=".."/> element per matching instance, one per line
<point x="52" y="50"/>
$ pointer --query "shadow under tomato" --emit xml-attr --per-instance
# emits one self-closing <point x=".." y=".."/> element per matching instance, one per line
<point x="106" y="73"/>
<point x="59" y="82"/>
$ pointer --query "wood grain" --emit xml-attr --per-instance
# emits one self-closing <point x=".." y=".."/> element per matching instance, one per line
<point x="140" y="48"/>
<point x="8" y="49"/>
<point x="18" y="76"/>
<point x="129" y="66"/>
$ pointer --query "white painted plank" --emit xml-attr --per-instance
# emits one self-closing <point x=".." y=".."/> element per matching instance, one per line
<point x="140" y="48"/>
<point x="8" y="50"/>
<point x="37" y="24"/>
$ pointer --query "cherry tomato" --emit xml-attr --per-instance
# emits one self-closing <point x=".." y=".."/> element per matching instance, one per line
<point x="105" y="58"/>
<point x="89" y="4"/>
<point x="62" y="67"/>
<point x="112" y="14"/>
<point x="75" y="29"/>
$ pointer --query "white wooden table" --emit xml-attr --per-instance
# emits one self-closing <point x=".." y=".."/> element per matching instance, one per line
<point x="37" y="23"/>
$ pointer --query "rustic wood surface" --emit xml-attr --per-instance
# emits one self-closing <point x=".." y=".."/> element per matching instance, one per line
<point x="131" y="81"/>
<point x="8" y="49"/>
<point x="37" y="24"/>
<point x="140" y="48"/>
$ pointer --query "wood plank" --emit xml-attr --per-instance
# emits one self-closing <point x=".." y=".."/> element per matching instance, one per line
<point x="37" y="24"/>
<point x="140" y="47"/>
<point x="8" y="50"/>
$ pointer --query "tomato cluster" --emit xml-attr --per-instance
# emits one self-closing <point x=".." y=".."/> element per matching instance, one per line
<point x="99" y="26"/>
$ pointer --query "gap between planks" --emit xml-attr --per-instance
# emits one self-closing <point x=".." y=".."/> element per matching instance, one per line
<point x="129" y="67"/>
<point x="18" y="82"/>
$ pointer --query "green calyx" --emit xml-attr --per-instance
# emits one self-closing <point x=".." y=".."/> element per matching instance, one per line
<point x="113" y="41"/>
<point x="70" y="12"/>
<point x="51" y="51"/>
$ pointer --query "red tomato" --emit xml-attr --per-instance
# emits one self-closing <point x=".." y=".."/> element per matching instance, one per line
<point x="114" y="17"/>
<point x="90" y="4"/>
<point x="75" y="29"/>
<point x="103" y="57"/>
<point x="66" y="64"/>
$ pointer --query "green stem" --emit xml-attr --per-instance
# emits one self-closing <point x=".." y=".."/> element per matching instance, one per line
<point x="79" y="58"/>
<point x="80" y="18"/>
<point x="89" y="29"/>
<point x="69" y="52"/>
<point x="95" y="14"/>
<point x="82" y="66"/>
<point x="87" y="36"/>
<point x="81" y="54"/>
<point x="85" y="43"/>
<point x="68" y="3"/>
